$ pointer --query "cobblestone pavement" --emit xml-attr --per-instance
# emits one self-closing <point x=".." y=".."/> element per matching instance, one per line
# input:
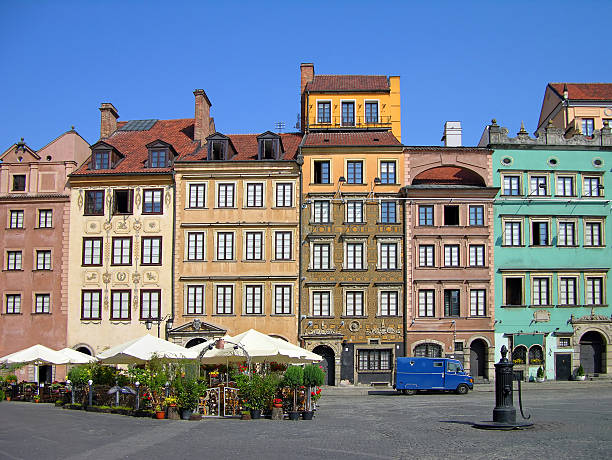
<point x="571" y="420"/>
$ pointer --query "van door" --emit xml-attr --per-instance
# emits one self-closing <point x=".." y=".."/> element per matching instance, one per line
<point x="437" y="376"/>
<point x="451" y="381"/>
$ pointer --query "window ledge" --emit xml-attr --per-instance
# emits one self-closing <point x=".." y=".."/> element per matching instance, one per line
<point x="388" y="223"/>
<point x="253" y="261"/>
<point x="259" y="315"/>
<point x="541" y="306"/>
<point x="39" y="313"/>
<point x="514" y="306"/>
<point x="193" y="315"/>
<point x="319" y="317"/>
<point x="595" y="247"/>
<point x="388" y="269"/>
<point x="388" y="316"/>
<point x="195" y="208"/>
<point x="194" y="260"/>
<point x="44" y="228"/>
<point x="354" y="223"/>
<point x="12" y="314"/>
<point x="354" y="317"/>
<point x="150" y="265"/>
<point x="91" y="320"/>
<point x="354" y="270"/>
<point x="568" y="246"/>
<point x="227" y="261"/>
<point x="364" y="371"/>
<point x="283" y="260"/>
<point x="321" y="270"/>
<point x="15" y="228"/>
<point x="282" y="207"/>
<point x="15" y="270"/>
<point x="224" y="314"/>
<point x="283" y="315"/>
<point x="42" y="270"/>
<point x="120" y="320"/>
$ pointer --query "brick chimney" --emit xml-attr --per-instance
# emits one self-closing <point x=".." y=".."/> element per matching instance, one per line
<point x="306" y="76"/>
<point x="108" y="119"/>
<point x="202" y="116"/>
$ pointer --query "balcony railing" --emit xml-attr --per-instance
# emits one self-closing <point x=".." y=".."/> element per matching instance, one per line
<point x="352" y="123"/>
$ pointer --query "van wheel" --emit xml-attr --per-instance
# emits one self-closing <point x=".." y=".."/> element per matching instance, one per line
<point x="462" y="389"/>
<point x="409" y="392"/>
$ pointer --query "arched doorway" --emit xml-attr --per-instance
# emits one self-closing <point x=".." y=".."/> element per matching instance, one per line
<point x="592" y="353"/>
<point x="84" y="350"/>
<point x="428" y="350"/>
<point x="194" y="342"/>
<point x="478" y="359"/>
<point x="328" y="363"/>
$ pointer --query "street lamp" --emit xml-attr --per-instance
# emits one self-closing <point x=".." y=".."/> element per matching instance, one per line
<point x="149" y="324"/>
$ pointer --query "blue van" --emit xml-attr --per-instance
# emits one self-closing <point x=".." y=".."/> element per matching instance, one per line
<point x="412" y="374"/>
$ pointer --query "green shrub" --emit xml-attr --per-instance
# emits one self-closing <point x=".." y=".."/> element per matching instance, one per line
<point x="79" y="375"/>
<point x="2" y="395"/>
<point x="293" y="378"/>
<point x="580" y="371"/>
<point x="540" y="373"/>
<point x="188" y="392"/>
<point x="11" y="378"/>
<point x="313" y="375"/>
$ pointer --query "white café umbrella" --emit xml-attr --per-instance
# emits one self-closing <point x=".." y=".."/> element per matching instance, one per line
<point x="76" y="357"/>
<point x="142" y="349"/>
<point x="36" y="354"/>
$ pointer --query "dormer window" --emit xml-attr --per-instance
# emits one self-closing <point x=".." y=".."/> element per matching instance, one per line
<point x="104" y="156"/>
<point x="269" y="146"/>
<point x="101" y="159"/>
<point x="217" y="150"/>
<point x="158" y="159"/>
<point x="160" y="154"/>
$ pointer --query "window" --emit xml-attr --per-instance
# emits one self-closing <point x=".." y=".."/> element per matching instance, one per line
<point x="388" y="256"/>
<point x="374" y="360"/>
<point x="512" y="234"/>
<point x="451" y="255"/>
<point x="388" y="213"/>
<point x="513" y="291"/>
<point x="16" y="219"/>
<point x="592" y="234"/>
<point x="539" y="234"/>
<point x="123" y="201"/>
<point x="568" y="294"/>
<point x="43" y="260"/>
<point x="90" y="304"/>
<point x="320" y="303"/>
<point x="536" y="356"/>
<point x="451" y="215"/>
<point x="253" y="300"/>
<point x="254" y="245"/>
<point x="269" y="148"/>
<point x="354" y="256"/>
<point x="225" y="300"/>
<point x="282" y="300"/>
<point x="151" y="250"/>
<point x="101" y="160"/>
<point x="387" y="172"/>
<point x="519" y="355"/>
<point x="541" y="291"/>
<point x="92" y="251"/>
<point x="565" y="186"/>
<point x="19" y="183"/>
<point x="152" y="201"/>
<point x="477" y="215"/>
<point x="478" y="305"/>
<point x="13" y="303"/>
<point x="348" y="114"/>
<point x="150" y="304"/>
<point x="587" y="126"/>
<point x="321" y="256"/>
<point x="512" y="185"/>
<point x="427" y="307"/>
<point x="13" y="260"/>
<point x="354" y="303"/>
<point x="324" y="112"/>
<point x="197" y="195"/>
<point x="195" y="299"/>
<point x="45" y="218"/>
<point x="477" y="252"/>
<point x="566" y="235"/>
<point x="226" y="195"/>
<point x="254" y="195"/>
<point x="354" y="211"/>
<point x="225" y="246"/>
<point x="426" y="255"/>
<point x="284" y="195"/>
<point x="592" y="186"/>
<point x="389" y="303"/>
<point x="428" y="350"/>
<point x="451" y="302"/>
<point x="320" y="212"/>
<point x="538" y="186"/>
<point x="282" y="245"/>
<point x="94" y="202"/>
<point x="217" y="149"/>
<point x="120" y="305"/>
<point x="594" y="290"/>
<point x="426" y="215"/>
<point x="321" y="172"/>
<point x="195" y="246"/>
<point x="158" y="159"/>
<point x="42" y="303"/>
<point x="371" y="114"/>
<point x="564" y="342"/>
<point x="122" y="251"/>
<point x="354" y="172"/>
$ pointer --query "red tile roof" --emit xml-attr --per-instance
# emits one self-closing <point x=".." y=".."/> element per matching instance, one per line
<point x="132" y="144"/>
<point x="348" y="83"/>
<point x="246" y="147"/>
<point x="361" y="138"/>
<point x="585" y="91"/>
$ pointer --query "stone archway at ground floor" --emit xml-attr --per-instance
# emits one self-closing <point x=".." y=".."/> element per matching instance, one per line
<point x="593" y="353"/>
<point x="592" y="344"/>
<point x="328" y="363"/>
<point x="479" y="360"/>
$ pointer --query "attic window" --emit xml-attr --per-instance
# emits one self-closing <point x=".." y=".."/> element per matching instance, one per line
<point x="101" y="160"/>
<point x="217" y="149"/>
<point x="269" y="149"/>
<point x="158" y="158"/>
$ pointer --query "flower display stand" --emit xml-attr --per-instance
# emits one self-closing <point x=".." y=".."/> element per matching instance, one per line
<point x="277" y="413"/>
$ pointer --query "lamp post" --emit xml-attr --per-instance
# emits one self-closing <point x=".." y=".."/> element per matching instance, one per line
<point x="137" y="383"/>
<point x="149" y="324"/>
<point x="90" y="396"/>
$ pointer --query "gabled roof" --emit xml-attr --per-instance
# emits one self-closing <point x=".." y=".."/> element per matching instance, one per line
<point x="133" y="145"/>
<point x="348" y="83"/>
<point x="361" y="138"/>
<point x="584" y="91"/>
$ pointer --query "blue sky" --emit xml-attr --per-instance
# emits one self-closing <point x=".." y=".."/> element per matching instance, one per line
<point x="467" y="61"/>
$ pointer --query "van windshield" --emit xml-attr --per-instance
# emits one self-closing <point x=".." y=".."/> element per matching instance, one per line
<point x="453" y="367"/>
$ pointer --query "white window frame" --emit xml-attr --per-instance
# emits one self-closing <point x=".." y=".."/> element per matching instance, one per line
<point x="385" y="294"/>
<point x="380" y="170"/>
<point x="562" y="235"/>
<point x="253" y="292"/>
<point x="195" y="298"/>
<point x="452" y="257"/>
<point x="285" y="248"/>
<point x="218" y="195"/>
<point x="562" y="294"/>
<point x="540" y="220"/>
<point x="195" y="251"/>
<point x="313" y="255"/>
<point x="386" y="260"/>
<point x="589" y="242"/>
<point x="287" y="188"/>
<point x="151" y="250"/>
<point x="354" y="211"/>
<point x="426" y="301"/>
<point x="255" y="194"/>
<point x="589" y="294"/>
<point x="16" y="218"/>
<point x="356" y="308"/>
<point x="510" y="237"/>
<point x="380" y="211"/>
<point x="319" y="293"/>
<point x="195" y="204"/>
<point x="355" y="114"/>
<point x="477" y="255"/>
<point x="44" y="258"/>
<point x="476" y="206"/>
<point x="286" y="302"/>
<point x="363" y="170"/>
<point x="478" y="302"/>
<point x="225" y="245"/>
<point x="45" y="217"/>
<point x="511" y="178"/>
<point x="14" y="299"/>
<point x="14" y="260"/>
<point x="351" y="261"/>
<point x="539" y="178"/>
<point x="248" y="248"/>
<point x="365" y="101"/>
<point x="561" y="186"/>
<point x="227" y="288"/>
<point x="124" y="308"/>
<point x="536" y="287"/>
<point x="319" y="211"/>
<point x="45" y="307"/>
<point x="596" y="190"/>
<point x="331" y="113"/>
<point x="426" y="259"/>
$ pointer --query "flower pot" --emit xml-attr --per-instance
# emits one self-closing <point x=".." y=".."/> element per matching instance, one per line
<point x="255" y="414"/>
<point x="307" y="414"/>
<point x="581" y="377"/>
<point x="186" y="414"/>
<point x="278" y="405"/>
<point x="294" y="415"/>
<point x="245" y="416"/>
<point x="160" y="414"/>
<point x="540" y="379"/>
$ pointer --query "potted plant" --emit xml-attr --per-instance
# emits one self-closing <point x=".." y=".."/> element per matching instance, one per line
<point x="277" y="402"/>
<point x="313" y="377"/>
<point x="36" y="398"/>
<point x="293" y="378"/>
<point x="2" y="395"/>
<point x="540" y="375"/>
<point x="188" y="392"/>
<point x="580" y="373"/>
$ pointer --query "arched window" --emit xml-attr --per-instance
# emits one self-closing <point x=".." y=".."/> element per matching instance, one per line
<point x="194" y="342"/>
<point x="519" y="355"/>
<point x="428" y="350"/>
<point x="536" y="356"/>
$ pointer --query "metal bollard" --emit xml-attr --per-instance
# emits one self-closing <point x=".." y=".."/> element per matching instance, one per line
<point x="137" y="395"/>
<point x="90" y="383"/>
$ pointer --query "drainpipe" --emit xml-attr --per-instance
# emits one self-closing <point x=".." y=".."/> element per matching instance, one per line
<point x="173" y="248"/>
<point x="405" y="275"/>
<point x="300" y="162"/>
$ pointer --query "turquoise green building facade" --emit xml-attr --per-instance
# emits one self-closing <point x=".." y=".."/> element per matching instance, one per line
<point x="552" y="260"/>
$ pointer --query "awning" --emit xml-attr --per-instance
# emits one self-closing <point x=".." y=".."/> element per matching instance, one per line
<point x="528" y="339"/>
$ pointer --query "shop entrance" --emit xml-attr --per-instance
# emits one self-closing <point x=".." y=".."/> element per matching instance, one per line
<point x="563" y="366"/>
<point x="592" y="353"/>
<point x="478" y="359"/>
<point x="328" y="363"/>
